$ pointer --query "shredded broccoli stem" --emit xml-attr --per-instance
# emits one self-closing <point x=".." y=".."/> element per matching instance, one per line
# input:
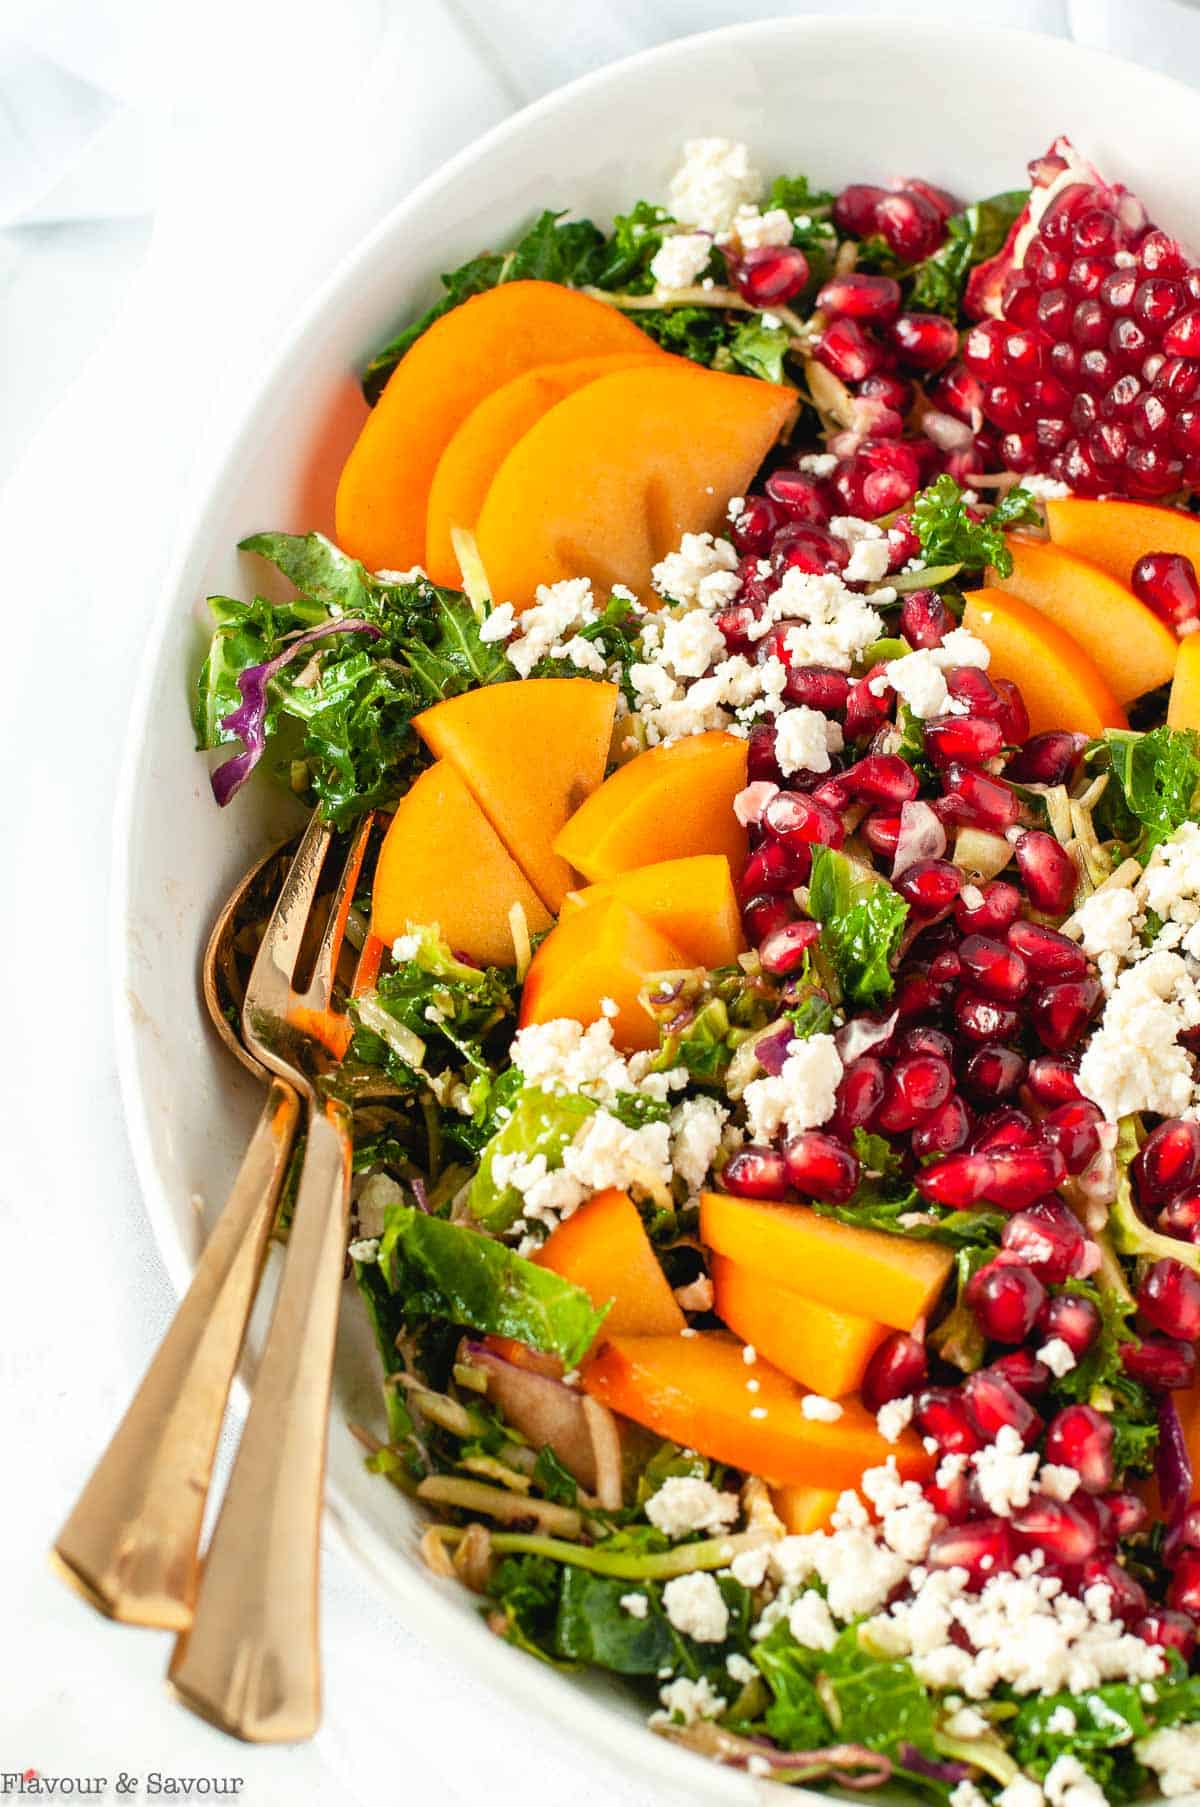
<point x="621" y="1565"/>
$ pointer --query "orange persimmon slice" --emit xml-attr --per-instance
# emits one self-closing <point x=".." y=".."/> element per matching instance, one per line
<point x="1061" y="686"/>
<point x="667" y="804"/>
<point x="603" y="1247"/>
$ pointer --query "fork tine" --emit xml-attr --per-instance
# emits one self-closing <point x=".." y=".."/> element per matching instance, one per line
<point x="284" y="934"/>
<point x="320" y="985"/>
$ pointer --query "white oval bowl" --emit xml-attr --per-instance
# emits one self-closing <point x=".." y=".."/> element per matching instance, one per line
<point x="836" y="99"/>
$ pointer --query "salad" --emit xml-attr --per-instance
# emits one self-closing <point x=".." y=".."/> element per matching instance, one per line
<point x="765" y="632"/>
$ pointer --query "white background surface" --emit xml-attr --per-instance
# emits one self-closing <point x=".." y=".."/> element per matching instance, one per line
<point x="175" y="179"/>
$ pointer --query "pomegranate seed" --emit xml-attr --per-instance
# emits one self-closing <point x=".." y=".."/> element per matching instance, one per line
<point x="1048" y="870"/>
<point x="1050" y="758"/>
<point x="939" y="198"/>
<point x="1170" y="1630"/>
<point x="735" y="625"/>
<point x="1166" y="582"/>
<point x="983" y="350"/>
<point x="866" y="712"/>
<point x="759" y="520"/>
<point x="1001" y="902"/>
<point x="959" y="392"/>
<point x="924" y="1082"/>
<point x="1051" y="1080"/>
<point x="755" y="1172"/>
<point x="1178" y="380"/>
<point x="1086" y="274"/>
<point x="1127" y="1512"/>
<point x="993" y="1072"/>
<point x="818" y="687"/>
<point x="1046" y="952"/>
<point x="775" y="868"/>
<point x="897" y="1368"/>
<point x="921" y="1039"/>
<point x="1058" y="1528"/>
<point x="1169" y="1161"/>
<point x="819" y="1166"/>
<point x="882" y="778"/>
<point x="1128" y="1596"/>
<point x="1074" y="1321"/>
<point x="1180" y="1216"/>
<point x="1183" y="1593"/>
<point x="860" y="297"/>
<point x="1024" y="1372"/>
<point x="1053" y="1247"/>
<point x="1169" y="1296"/>
<point x="930" y="885"/>
<point x="785" y="949"/>
<point x="970" y="739"/>
<point x="886" y="473"/>
<point x="1151" y="472"/>
<point x="926" y="341"/>
<point x="959" y="1182"/>
<point x="1021" y="1175"/>
<point x="761" y="761"/>
<point x="1003" y="1128"/>
<point x="795" y="819"/>
<point x="770" y="273"/>
<point x="995" y="1405"/>
<point x="911" y="225"/>
<point x="859" y="1094"/>
<point x="1006" y="1301"/>
<point x="952" y="1498"/>
<point x="881" y="831"/>
<point x="984" y="802"/>
<point x="854" y="209"/>
<point x="1060" y="1013"/>
<point x="916" y="994"/>
<point x="810" y="550"/>
<point x="943" y="1415"/>
<point x="1182" y="338"/>
<point x="1081" y="1438"/>
<point x="994" y="967"/>
<point x="848" y="351"/>
<point x="984" y="1548"/>
<point x="1160" y="255"/>
<point x="1161" y="1362"/>
<point x="894" y="392"/>
<point x="763" y="914"/>
<point x="1074" y="1129"/>
<point x="982" y="1019"/>
<point x="1185" y="433"/>
<point x="799" y="498"/>
<point x="944" y="1132"/>
<point x="924" y="619"/>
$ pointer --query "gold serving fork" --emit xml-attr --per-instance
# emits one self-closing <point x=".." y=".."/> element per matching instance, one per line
<point x="250" y="1659"/>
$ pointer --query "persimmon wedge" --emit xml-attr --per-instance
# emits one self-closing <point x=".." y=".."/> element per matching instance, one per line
<point x="484" y="439"/>
<point x="383" y="491"/>
<point x="1183" y="706"/>
<point x="793" y="1247"/>
<point x="1114" y="535"/>
<point x="824" y="1349"/>
<point x="804" y="1509"/>
<point x="602" y="954"/>
<point x="1127" y="643"/>
<point x="603" y="1247"/>
<point x="531" y="752"/>
<point x="607" y="482"/>
<point x="437" y="834"/>
<point x="691" y="900"/>
<point x="693" y="1390"/>
<point x="1061" y="686"/>
<point x="669" y="803"/>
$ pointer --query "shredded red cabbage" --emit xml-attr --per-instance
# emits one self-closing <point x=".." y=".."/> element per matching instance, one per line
<point x="249" y="720"/>
<point x="910" y="1758"/>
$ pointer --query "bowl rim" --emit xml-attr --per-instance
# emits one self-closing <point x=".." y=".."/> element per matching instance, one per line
<point x="202" y="498"/>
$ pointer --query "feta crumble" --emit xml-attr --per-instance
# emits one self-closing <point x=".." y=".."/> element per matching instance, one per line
<point x="804" y="740"/>
<point x="685" y="1503"/>
<point x="696" y="1607"/>
<point x="1174" y="1755"/>
<point x="1058" y="1356"/>
<point x="713" y="182"/>
<point x="686" y="1702"/>
<point x="801" y="1096"/>
<point x="636" y="1605"/>
<point x="819" y="1409"/>
<point x="680" y="259"/>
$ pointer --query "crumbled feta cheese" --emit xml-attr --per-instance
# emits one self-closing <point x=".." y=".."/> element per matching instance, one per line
<point x="1068" y="1784"/>
<point x="893" y="1418"/>
<point x="967" y="1722"/>
<point x="365" y="1250"/>
<point x="563" y="1055"/>
<point x="712" y="183"/>
<point x="1105" y="921"/>
<point x="680" y="259"/>
<point x="1058" y="1356"/>
<point x="1004" y="1473"/>
<point x="559" y="610"/>
<point x="1058" y="1481"/>
<point x="811" y="1622"/>
<point x="820" y="1409"/>
<point x="919" y="680"/>
<point x="1134" y="1061"/>
<point x="691" y="643"/>
<point x="804" y="739"/>
<point x="818" y="464"/>
<point x="754" y="229"/>
<point x="1022" y="1791"/>
<point x="685" y="1702"/>
<point x="499" y="625"/>
<point x="683" y="575"/>
<point x="1045" y="489"/>
<point x="636" y="1605"/>
<point x="750" y="1568"/>
<point x="696" y="1127"/>
<point x="696" y="1606"/>
<point x="1174" y="1755"/>
<point x="868" y="562"/>
<point x="405" y="947"/>
<point x="961" y="647"/>
<point x="684" y="1503"/>
<point x="965" y="1794"/>
<point x="697" y="1295"/>
<point x="801" y="1096"/>
<point x="1061" y="1721"/>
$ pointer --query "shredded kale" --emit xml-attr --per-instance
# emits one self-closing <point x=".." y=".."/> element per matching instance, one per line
<point x="949" y="536"/>
<point x="972" y="236"/>
<point x="760" y="349"/>
<point x="539" y="1123"/>
<point x="862" y="920"/>
<point x="1154" y="784"/>
<point x="846" y="1692"/>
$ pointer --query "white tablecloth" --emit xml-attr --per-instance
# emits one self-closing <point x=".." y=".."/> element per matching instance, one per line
<point x="174" y="181"/>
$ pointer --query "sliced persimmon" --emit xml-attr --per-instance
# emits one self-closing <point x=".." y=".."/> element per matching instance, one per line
<point x="442" y="861"/>
<point x="1061" y="685"/>
<point x="607" y="482"/>
<point x="603" y="1247"/>
<point x="804" y="1509"/>
<point x="824" y="1349"/>
<point x="484" y="439"/>
<point x="691" y="900"/>
<point x="837" y="1264"/>
<point x="1183" y="706"/>
<point x="602" y="954"/>
<point x="669" y="803"/>
<point x="383" y="492"/>
<point x="1127" y="643"/>
<point x="532" y="752"/>
<point x="1114" y="535"/>
<point x="693" y="1390"/>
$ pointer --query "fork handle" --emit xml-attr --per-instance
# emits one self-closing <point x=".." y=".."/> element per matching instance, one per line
<point x="131" y="1542"/>
<point x="250" y="1661"/>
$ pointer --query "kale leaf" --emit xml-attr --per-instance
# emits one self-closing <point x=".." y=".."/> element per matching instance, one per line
<point x="862" y="920"/>
<point x="539" y="1123"/>
<point x="972" y="236"/>
<point x="876" y="1701"/>
<point x="760" y="349"/>
<point x="451" y="1272"/>
<point x="949" y="536"/>
<point x="1154" y="784"/>
<point x="796" y="1718"/>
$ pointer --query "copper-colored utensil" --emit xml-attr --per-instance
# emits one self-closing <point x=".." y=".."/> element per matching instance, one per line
<point x="131" y="1542"/>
